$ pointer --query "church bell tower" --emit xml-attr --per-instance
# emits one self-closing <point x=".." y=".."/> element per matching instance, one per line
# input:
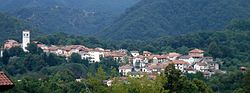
<point x="26" y="40"/>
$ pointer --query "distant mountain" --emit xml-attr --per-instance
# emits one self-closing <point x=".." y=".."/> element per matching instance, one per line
<point x="70" y="16"/>
<point x="11" y="28"/>
<point x="155" y="18"/>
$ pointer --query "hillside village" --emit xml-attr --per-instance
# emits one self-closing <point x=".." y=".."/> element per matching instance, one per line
<point x="135" y="64"/>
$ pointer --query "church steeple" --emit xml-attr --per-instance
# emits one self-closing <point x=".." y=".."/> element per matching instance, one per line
<point x="26" y="40"/>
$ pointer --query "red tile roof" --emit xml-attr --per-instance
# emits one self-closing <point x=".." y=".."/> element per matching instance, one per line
<point x="179" y="62"/>
<point x="174" y="54"/>
<point x="4" y="80"/>
<point x="160" y="56"/>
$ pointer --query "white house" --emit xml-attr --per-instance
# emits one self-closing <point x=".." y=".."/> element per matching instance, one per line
<point x="188" y="59"/>
<point x="180" y="64"/>
<point x="95" y="56"/>
<point x="200" y="66"/>
<point x="124" y="70"/>
<point x="160" y="58"/>
<point x="134" y="53"/>
<point x="139" y="62"/>
<point x="190" y="70"/>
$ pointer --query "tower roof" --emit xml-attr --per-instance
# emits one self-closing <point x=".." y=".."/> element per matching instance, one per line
<point x="26" y="31"/>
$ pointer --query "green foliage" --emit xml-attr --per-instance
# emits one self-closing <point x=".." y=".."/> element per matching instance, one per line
<point x="65" y="39"/>
<point x="75" y="58"/>
<point x="12" y="52"/>
<point x="34" y="49"/>
<point x="69" y="16"/>
<point x="246" y="82"/>
<point x="239" y="90"/>
<point x="226" y="83"/>
<point x="151" y="19"/>
<point x="10" y="27"/>
<point x="214" y="50"/>
<point x="53" y="59"/>
<point x="239" y="25"/>
<point x="177" y="83"/>
<point x="142" y="85"/>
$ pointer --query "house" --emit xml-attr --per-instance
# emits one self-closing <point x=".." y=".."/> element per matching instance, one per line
<point x="84" y="54"/>
<point x="147" y="53"/>
<point x="11" y="43"/>
<point x="5" y="82"/>
<point x="243" y="69"/>
<point x="118" y="56"/>
<point x="180" y="64"/>
<point x="96" y="55"/>
<point x="53" y="49"/>
<point x="187" y="58"/>
<point x="44" y="47"/>
<point x="190" y="70"/>
<point x="139" y="62"/>
<point x="134" y="53"/>
<point x="201" y="66"/>
<point x="155" y="68"/>
<point x="159" y="58"/>
<point x="197" y="54"/>
<point x="124" y="70"/>
<point x="173" y="56"/>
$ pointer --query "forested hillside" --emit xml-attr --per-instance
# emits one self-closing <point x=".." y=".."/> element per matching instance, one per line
<point x="11" y="28"/>
<point x="69" y="16"/>
<point x="154" y="18"/>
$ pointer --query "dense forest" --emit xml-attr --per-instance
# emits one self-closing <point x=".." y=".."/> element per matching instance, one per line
<point x="151" y="19"/>
<point x="68" y="16"/>
<point x="11" y="28"/>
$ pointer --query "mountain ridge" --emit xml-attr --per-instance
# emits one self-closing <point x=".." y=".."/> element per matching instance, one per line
<point x="66" y="15"/>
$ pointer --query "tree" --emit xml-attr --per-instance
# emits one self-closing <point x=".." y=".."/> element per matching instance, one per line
<point x="101" y="74"/>
<point x="15" y="66"/>
<point x="65" y="75"/>
<point x="96" y="81"/>
<point x="34" y="62"/>
<point x="239" y="90"/>
<point x="246" y="82"/>
<point x="177" y="83"/>
<point x="173" y="76"/>
<point x="214" y="50"/>
<point x="34" y="49"/>
<point x="15" y="51"/>
<point x="202" y="86"/>
<point x="5" y="57"/>
<point x="53" y="60"/>
<point x="114" y="72"/>
<point x="75" y="58"/>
